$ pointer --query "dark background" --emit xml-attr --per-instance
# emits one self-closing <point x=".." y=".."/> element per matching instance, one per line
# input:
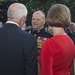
<point x="33" y="5"/>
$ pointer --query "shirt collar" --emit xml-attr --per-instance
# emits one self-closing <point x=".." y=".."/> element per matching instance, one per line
<point x="13" y="23"/>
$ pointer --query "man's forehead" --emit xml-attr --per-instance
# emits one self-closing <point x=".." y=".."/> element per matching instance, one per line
<point x="37" y="16"/>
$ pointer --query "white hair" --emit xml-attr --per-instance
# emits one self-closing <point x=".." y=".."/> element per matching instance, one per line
<point x="41" y="13"/>
<point x="72" y="24"/>
<point x="17" y="11"/>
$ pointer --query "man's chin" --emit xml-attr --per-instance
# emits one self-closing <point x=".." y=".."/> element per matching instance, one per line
<point x="35" y="28"/>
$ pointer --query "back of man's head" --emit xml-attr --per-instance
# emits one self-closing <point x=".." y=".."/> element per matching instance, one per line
<point x="17" y="11"/>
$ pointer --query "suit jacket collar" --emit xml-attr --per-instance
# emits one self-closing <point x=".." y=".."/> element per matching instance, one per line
<point x="13" y="23"/>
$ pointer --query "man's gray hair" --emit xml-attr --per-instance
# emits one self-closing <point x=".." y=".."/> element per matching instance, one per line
<point x="17" y="11"/>
<point x="41" y="12"/>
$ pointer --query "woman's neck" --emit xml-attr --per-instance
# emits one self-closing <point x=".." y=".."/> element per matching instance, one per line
<point x="58" y="31"/>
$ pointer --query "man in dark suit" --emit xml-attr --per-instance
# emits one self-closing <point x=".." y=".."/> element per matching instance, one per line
<point x="18" y="51"/>
<point x="38" y="28"/>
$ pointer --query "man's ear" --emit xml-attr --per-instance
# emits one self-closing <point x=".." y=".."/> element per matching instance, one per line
<point x="44" y="21"/>
<point x="23" y="19"/>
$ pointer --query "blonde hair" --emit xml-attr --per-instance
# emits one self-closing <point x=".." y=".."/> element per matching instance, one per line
<point x="59" y="16"/>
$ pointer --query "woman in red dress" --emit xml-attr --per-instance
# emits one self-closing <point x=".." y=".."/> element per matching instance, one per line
<point x="57" y="53"/>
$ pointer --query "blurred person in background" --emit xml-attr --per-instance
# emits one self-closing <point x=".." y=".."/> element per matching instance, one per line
<point x="71" y="31"/>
